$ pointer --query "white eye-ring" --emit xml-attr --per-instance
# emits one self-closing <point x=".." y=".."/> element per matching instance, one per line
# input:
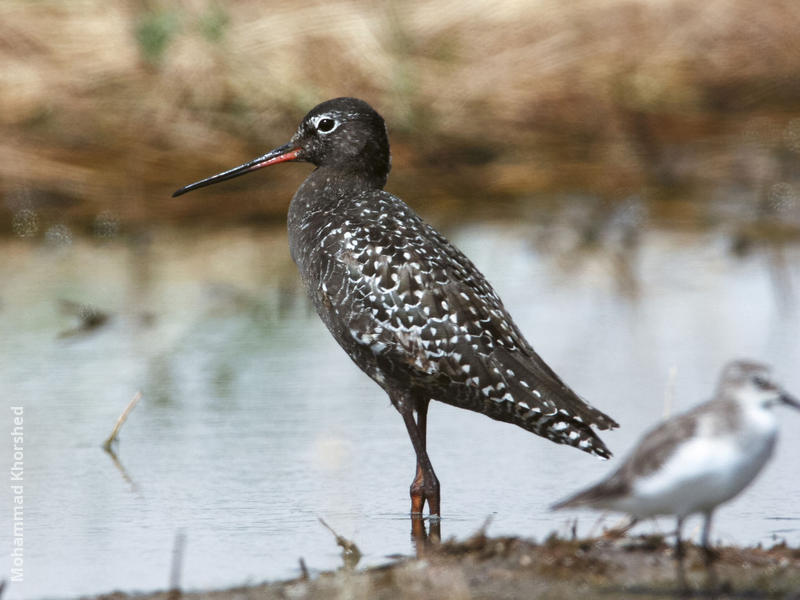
<point x="325" y="124"/>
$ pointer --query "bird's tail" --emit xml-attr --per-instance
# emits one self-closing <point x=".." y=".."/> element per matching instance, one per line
<point x="564" y="429"/>
<point x="597" y="495"/>
<point x="545" y="405"/>
<point x="581" y="499"/>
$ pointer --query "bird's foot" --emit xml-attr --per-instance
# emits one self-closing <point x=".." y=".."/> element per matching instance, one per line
<point x="680" y="551"/>
<point x="710" y="556"/>
<point x="422" y="492"/>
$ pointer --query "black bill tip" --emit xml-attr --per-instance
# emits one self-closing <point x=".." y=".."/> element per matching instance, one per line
<point x="285" y="153"/>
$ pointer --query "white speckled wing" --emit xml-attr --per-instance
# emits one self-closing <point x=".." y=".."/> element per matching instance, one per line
<point x="431" y="320"/>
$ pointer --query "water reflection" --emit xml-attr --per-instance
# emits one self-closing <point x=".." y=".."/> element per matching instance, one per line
<point x="253" y="423"/>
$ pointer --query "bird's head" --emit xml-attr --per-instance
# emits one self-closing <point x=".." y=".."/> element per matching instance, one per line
<point x="752" y="383"/>
<point x="345" y="134"/>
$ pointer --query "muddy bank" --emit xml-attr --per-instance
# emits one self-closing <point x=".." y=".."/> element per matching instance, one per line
<point x="485" y="567"/>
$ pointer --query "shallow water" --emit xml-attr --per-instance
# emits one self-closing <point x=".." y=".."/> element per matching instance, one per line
<point x="253" y="423"/>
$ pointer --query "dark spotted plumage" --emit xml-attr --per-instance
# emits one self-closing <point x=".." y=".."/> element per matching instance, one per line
<point x="406" y="305"/>
<point x="413" y="312"/>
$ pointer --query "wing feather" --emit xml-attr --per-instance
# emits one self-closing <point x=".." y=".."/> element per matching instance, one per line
<point x="423" y="311"/>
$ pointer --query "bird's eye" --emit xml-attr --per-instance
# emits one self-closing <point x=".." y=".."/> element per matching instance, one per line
<point x="326" y="125"/>
<point x="762" y="383"/>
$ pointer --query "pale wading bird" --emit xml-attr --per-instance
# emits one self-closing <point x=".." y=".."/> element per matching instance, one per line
<point x="406" y="305"/>
<point x="693" y="462"/>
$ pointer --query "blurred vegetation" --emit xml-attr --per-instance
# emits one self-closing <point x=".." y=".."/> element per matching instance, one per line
<point x="690" y="108"/>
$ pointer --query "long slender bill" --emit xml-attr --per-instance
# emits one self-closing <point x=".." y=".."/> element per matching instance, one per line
<point x="790" y="400"/>
<point x="287" y="152"/>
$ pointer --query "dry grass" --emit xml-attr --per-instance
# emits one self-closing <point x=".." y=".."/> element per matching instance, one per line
<point x="106" y="107"/>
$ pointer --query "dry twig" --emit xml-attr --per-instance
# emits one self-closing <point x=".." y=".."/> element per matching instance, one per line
<point x="107" y="445"/>
<point x="350" y="552"/>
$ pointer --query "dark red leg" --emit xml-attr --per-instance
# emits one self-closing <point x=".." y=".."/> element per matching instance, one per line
<point x="418" y="485"/>
<point x="425" y="487"/>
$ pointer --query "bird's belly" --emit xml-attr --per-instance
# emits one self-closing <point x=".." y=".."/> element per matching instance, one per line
<point x="701" y="475"/>
<point x="338" y="317"/>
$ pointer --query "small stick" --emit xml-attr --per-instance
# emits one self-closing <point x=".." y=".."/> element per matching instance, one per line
<point x="303" y="570"/>
<point x="121" y="469"/>
<point x="485" y="527"/>
<point x="350" y="552"/>
<point x="122" y="418"/>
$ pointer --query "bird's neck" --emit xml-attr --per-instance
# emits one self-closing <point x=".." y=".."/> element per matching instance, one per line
<point x="322" y="198"/>
<point x="355" y="173"/>
<point x="747" y="414"/>
<point x="327" y="186"/>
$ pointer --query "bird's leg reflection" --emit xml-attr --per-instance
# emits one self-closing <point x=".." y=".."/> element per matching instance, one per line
<point x="680" y="571"/>
<point x="709" y="554"/>
<point x="680" y="576"/>
<point x="424" y="539"/>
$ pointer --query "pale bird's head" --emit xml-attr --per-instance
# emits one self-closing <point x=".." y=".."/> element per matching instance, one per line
<point x="752" y="383"/>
